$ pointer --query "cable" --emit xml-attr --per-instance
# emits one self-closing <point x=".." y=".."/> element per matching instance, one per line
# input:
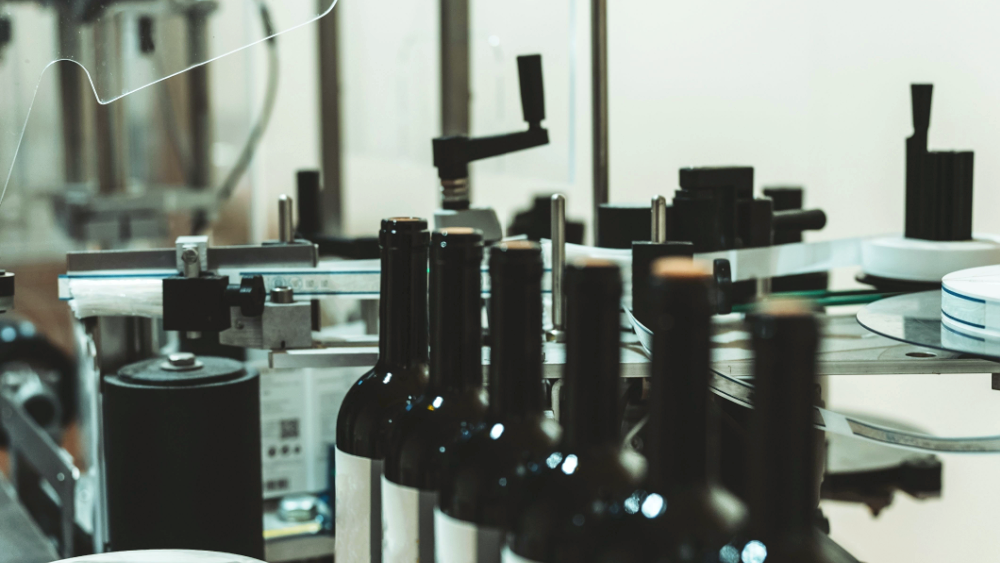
<point x="228" y="186"/>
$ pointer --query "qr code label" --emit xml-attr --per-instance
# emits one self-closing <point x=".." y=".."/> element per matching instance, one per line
<point x="290" y="428"/>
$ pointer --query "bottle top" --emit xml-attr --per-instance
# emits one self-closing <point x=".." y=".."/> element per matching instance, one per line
<point x="396" y="230"/>
<point x="457" y="236"/>
<point x="516" y="252"/>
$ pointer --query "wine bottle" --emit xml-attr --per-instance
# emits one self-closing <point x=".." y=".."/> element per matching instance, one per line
<point x="697" y="517"/>
<point x="784" y="458"/>
<point x="489" y="475"/>
<point x="569" y="519"/>
<point x="454" y="400"/>
<point x="372" y="404"/>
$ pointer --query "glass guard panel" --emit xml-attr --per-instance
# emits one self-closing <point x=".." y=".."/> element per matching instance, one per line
<point x="78" y="50"/>
<point x="499" y="33"/>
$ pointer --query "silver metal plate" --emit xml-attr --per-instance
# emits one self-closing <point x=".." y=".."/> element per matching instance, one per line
<point x="915" y="319"/>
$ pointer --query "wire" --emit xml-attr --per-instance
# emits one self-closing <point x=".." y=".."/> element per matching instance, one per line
<point x="228" y="186"/>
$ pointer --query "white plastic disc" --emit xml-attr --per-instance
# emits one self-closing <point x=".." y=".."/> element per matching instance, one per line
<point x="970" y="302"/>
<point x="920" y="260"/>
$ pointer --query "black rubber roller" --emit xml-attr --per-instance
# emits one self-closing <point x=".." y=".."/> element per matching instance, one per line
<point x="182" y="454"/>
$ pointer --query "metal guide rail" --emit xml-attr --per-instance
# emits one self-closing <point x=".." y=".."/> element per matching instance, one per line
<point x="846" y="349"/>
<point x="133" y="275"/>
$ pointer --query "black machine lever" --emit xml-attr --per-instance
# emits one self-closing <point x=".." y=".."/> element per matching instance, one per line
<point x="453" y="154"/>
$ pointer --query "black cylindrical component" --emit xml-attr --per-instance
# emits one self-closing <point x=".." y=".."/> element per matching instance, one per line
<point x="938" y="184"/>
<point x="679" y="433"/>
<point x="644" y="253"/>
<point x="961" y="211"/>
<point x="799" y="220"/>
<point x="706" y="218"/>
<point x="403" y="293"/>
<point x="755" y="218"/>
<point x="456" y="309"/>
<point x="529" y="68"/>
<point x="515" y="381"/>
<point x="783" y="458"/>
<point x="309" y="200"/>
<point x="623" y="223"/>
<point x="590" y="414"/>
<point x="182" y="456"/>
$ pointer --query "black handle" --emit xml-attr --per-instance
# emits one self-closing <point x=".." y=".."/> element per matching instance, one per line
<point x="920" y="94"/>
<point x="529" y="68"/>
<point x="309" y="203"/>
<point x="799" y="220"/>
<point x="249" y="296"/>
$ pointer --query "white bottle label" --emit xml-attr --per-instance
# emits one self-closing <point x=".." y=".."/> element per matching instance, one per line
<point x="407" y="524"/>
<point x="358" y="509"/>
<point x="458" y="541"/>
<point x="511" y="557"/>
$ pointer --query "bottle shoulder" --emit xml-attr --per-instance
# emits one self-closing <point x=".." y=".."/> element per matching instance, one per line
<point x="491" y="471"/>
<point x="424" y="432"/>
<point x="371" y="404"/>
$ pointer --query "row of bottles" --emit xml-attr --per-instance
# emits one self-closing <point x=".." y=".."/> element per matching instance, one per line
<point x="430" y="469"/>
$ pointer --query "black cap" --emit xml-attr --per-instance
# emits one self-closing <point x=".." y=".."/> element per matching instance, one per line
<point x="397" y="229"/>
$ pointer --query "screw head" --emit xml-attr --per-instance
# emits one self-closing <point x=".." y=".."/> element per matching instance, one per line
<point x="182" y="359"/>
<point x="189" y="255"/>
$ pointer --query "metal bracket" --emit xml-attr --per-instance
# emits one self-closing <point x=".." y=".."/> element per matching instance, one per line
<point x="54" y="465"/>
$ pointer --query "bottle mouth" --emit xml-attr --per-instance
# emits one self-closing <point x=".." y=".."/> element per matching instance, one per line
<point x="519" y="251"/>
<point x="679" y="268"/>
<point x="456" y="236"/>
<point x="404" y="225"/>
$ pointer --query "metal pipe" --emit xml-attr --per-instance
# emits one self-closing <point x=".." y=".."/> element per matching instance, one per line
<point x="658" y="228"/>
<point x="110" y="143"/>
<point x="599" y="92"/>
<point x="331" y="207"/>
<point x="455" y="67"/>
<point x="199" y="115"/>
<point x="286" y="228"/>
<point x="70" y="96"/>
<point x="557" y="333"/>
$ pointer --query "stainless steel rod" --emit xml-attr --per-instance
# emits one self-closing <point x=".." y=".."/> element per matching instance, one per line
<point x="558" y="267"/>
<point x="599" y="92"/>
<point x="330" y="120"/>
<point x="658" y="213"/>
<point x="286" y="230"/>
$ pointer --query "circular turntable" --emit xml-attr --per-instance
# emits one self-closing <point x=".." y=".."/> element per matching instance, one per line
<point x="915" y="318"/>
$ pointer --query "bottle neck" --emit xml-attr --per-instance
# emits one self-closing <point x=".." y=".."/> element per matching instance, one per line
<point x="783" y="441"/>
<point x="402" y="336"/>
<point x="456" y="319"/>
<point x="515" y="380"/>
<point x="590" y="413"/>
<point x="680" y="436"/>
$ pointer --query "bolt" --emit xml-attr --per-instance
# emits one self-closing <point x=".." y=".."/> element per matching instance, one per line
<point x="282" y="295"/>
<point x="182" y="359"/>
<point x="192" y="261"/>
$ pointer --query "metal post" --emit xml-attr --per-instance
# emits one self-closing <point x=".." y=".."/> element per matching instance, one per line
<point x="658" y="228"/>
<point x="70" y="95"/>
<point x="109" y="120"/>
<point x="557" y="333"/>
<point x="199" y="116"/>
<point x="455" y="67"/>
<point x="330" y="132"/>
<point x="286" y="226"/>
<point x="599" y="92"/>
